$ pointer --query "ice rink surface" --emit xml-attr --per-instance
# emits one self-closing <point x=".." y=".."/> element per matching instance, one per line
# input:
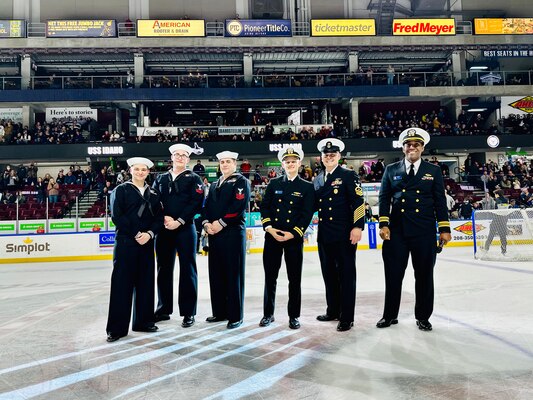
<point x="52" y="339"/>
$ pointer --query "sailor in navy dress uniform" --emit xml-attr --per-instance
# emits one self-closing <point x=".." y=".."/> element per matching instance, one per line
<point x="137" y="214"/>
<point x="286" y="211"/>
<point x="182" y="195"/>
<point x="223" y="218"/>
<point x="412" y="204"/>
<point x="341" y="220"/>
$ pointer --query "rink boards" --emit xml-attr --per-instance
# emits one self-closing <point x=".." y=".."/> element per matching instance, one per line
<point x="28" y="246"/>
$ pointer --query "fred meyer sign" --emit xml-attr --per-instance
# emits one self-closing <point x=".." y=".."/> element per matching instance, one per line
<point x="427" y="26"/>
<point x="258" y="27"/>
<point x="170" y="28"/>
<point x="343" y="27"/>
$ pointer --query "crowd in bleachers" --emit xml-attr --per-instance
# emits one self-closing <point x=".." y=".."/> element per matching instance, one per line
<point x="379" y="125"/>
<point x="23" y="188"/>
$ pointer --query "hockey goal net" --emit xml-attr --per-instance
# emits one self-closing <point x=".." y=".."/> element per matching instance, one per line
<point x="503" y="234"/>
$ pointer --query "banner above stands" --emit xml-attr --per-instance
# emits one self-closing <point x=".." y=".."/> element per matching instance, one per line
<point x="226" y="130"/>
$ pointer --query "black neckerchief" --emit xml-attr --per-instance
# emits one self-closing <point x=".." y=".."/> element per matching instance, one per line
<point x="146" y="199"/>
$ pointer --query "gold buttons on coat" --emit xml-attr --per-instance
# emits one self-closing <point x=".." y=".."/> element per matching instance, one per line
<point x="319" y="209"/>
<point x="403" y="190"/>
<point x="290" y="212"/>
<point x="418" y="191"/>
<point x="331" y="218"/>
<point x="275" y="219"/>
<point x="277" y="209"/>
<point x="403" y="210"/>
<point x="417" y="210"/>
<point x="288" y="220"/>
<point x="330" y="199"/>
<point x="280" y="200"/>
<point x="403" y="200"/>
<point x="417" y="200"/>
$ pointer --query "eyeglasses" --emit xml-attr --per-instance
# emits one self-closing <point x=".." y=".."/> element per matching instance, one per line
<point x="180" y="155"/>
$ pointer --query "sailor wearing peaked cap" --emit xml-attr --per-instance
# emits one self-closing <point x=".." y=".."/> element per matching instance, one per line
<point x="137" y="214"/>
<point x="411" y="204"/>
<point x="182" y="195"/>
<point x="341" y="220"/>
<point x="140" y="160"/>
<point x="414" y="134"/>
<point x="227" y="154"/>
<point x="290" y="152"/>
<point x="286" y="211"/>
<point x="330" y="145"/>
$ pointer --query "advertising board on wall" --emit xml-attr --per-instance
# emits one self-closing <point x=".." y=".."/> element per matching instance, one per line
<point x="170" y="28"/>
<point x="71" y="112"/>
<point x="12" y="28"/>
<point x="423" y="26"/>
<point x="517" y="105"/>
<point x="503" y="26"/>
<point x="81" y="28"/>
<point x="14" y="114"/>
<point x="343" y="27"/>
<point x="258" y="27"/>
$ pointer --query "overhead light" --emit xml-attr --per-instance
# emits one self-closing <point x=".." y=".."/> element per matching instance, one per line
<point x="480" y="67"/>
<point x="476" y="109"/>
<point x="217" y="112"/>
<point x="268" y="111"/>
<point x="183" y="112"/>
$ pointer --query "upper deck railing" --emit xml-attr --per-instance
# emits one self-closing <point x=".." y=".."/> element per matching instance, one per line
<point x="412" y="79"/>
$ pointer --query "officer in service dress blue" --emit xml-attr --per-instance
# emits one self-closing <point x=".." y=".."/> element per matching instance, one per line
<point x="286" y="211"/>
<point x="341" y="220"/>
<point x="412" y="204"/>
<point x="223" y="218"/>
<point x="182" y="195"/>
<point x="137" y="214"/>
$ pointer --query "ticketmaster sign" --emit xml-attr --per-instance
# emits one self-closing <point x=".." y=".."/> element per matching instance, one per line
<point x="343" y="27"/>
<point x="258" y="27"/>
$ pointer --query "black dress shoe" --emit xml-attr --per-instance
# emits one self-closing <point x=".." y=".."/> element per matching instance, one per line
<point x="424" y="325"/>
<point x="385" y="323"/>
<point x="149" y="329"/>
<point x="326" y="317"/>
<point x="161" y="317"/>
<point x="344" y="326"/>
<point x="113" y="337"/>
<point x="233" y="325"/>
<point x="294" y="323"/>
<point x="265" y="321"/>
<point x="215" y="319"/>
<point x="188" y="321"/>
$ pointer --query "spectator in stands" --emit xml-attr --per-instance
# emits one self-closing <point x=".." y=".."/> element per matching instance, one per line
<point x="60" y="177"/>
<point x="500" y="198"/>
<point x="525" y="199"/>
<point x="19" y="197"/>
<point x="12" y="180"/>
<point x="199" y="168"/>
<point x="245" y="168"/>
<point x="450" y="202"/>
<point x="31" y="177"/>
<point x="53" y="191"/>
<point x="390" y="75"/>
<point x="41" y="190"/>
<point x="70" y="178"/>
<point x="465" y="209"/>
<point x="488" y="202"/>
